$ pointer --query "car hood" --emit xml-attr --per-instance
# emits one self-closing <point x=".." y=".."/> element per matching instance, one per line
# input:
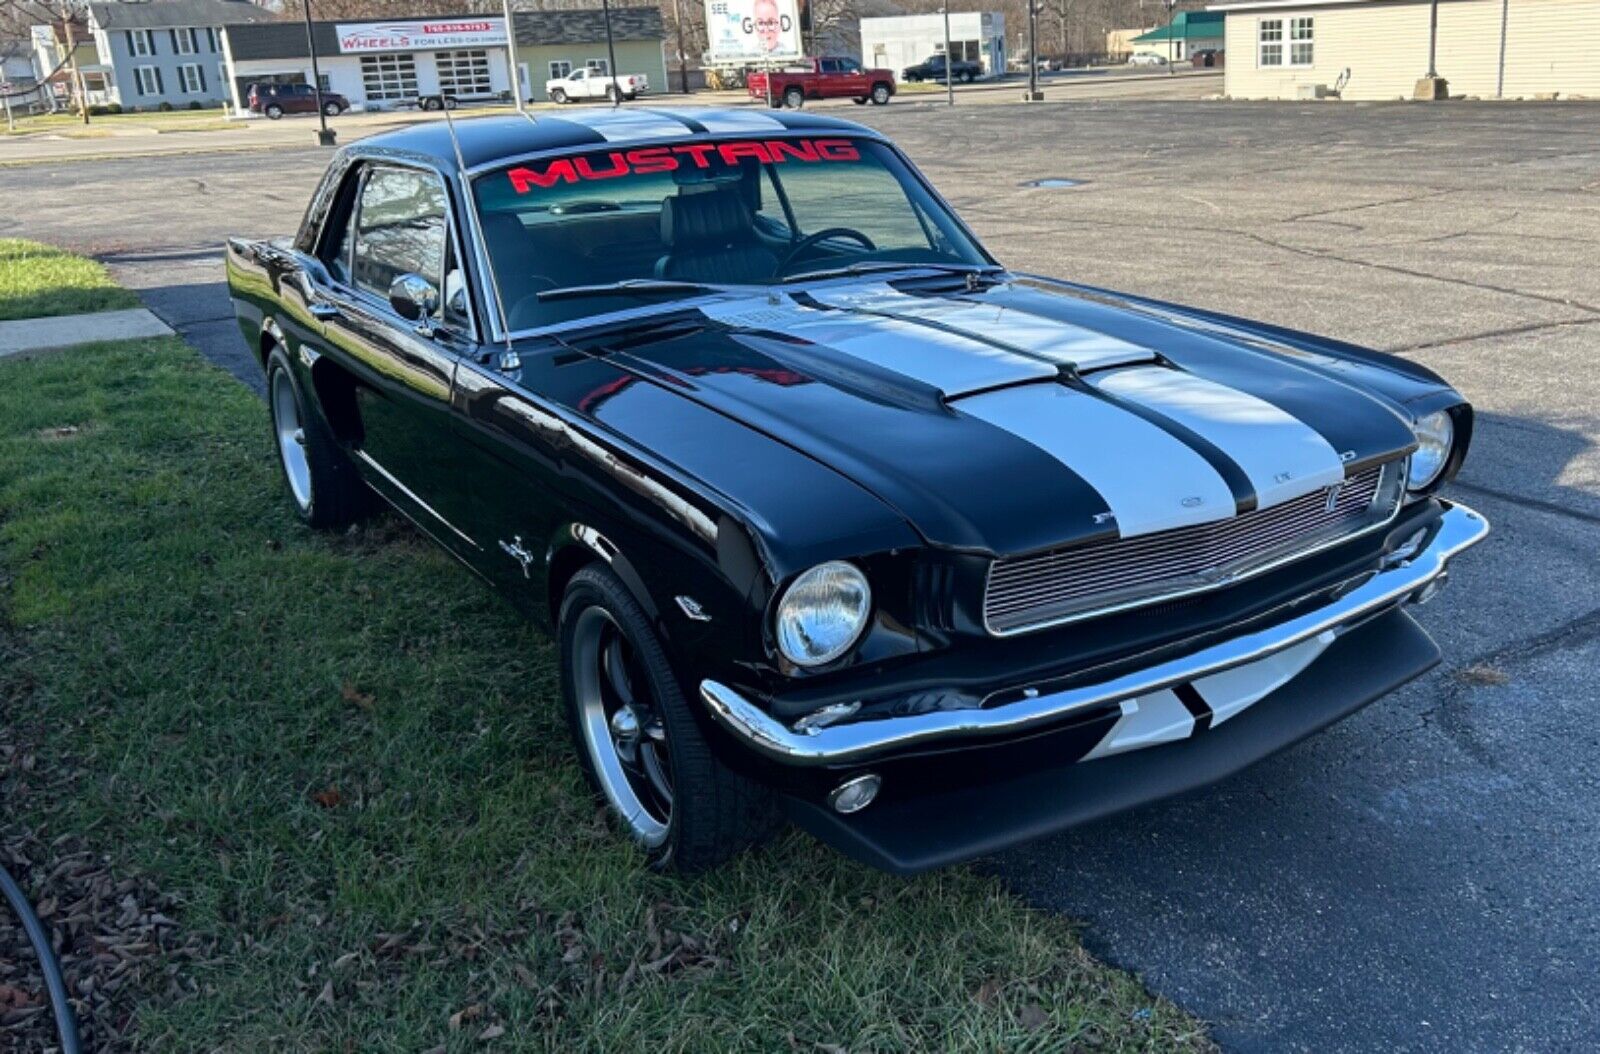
<point x="1022" y="417"/>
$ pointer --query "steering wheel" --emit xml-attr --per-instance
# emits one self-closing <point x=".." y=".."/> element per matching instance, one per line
<point x="811" y="240"/>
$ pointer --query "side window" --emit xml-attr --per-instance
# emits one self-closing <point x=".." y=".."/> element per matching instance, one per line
<point x="336" y="241"/>
<point x="829" y="65"/>
<point x="400" y="229"/>
<point x="849" y="66"/>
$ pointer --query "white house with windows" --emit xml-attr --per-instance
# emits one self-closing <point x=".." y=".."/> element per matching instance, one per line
<point x="162" y="53"/>
<point x="1378" y="49"/>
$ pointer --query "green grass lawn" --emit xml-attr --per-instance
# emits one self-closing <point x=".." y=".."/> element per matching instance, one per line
<point x="341" y="759"/>
<point x="71" y="125"/>
<point x="38" y="281"/>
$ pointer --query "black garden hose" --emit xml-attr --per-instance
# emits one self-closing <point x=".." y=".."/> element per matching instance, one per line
<point x="66" y="1025"/>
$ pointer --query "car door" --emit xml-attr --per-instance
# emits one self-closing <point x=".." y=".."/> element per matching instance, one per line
<point x="402" y="370"/>
<point x="852" y="80"/>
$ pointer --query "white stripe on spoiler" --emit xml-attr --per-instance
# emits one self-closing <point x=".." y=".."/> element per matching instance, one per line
<point x="1283" y="457"/>
<point x="1059" y="342"/>
<point x="1151" y="480"/>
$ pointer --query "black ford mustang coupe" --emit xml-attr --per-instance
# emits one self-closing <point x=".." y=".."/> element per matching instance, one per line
<point x="834" y="516"/>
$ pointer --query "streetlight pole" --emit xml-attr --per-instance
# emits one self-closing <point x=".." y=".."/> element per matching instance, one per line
<point x="1433" y="37"/>
<point x="1034" y="94"/>
<point x="325" y="136"/>
<point x="611" y="56"/>
<point x="511" y="55"/>
<point x="1172" y="6"/>
<point x="949" y="76"/>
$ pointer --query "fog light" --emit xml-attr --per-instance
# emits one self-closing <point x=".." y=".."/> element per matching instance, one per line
<point x="855" y="794"/>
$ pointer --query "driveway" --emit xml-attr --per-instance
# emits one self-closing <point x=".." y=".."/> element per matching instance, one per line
<point x="1425" y="876"/>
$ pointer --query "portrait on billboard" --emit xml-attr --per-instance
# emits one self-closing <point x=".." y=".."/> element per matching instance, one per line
<point x="752" y="30"/>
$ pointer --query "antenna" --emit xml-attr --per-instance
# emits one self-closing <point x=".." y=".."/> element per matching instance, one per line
<point x="509" y="360"/>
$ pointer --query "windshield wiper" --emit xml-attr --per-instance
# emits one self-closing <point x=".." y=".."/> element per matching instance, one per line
<point x="633" y="287"/>
<point x="871" y="268"/>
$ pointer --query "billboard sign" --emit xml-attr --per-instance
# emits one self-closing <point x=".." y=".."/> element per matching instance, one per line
<point x="752" y="31"/>
<point x="358" y="37"/>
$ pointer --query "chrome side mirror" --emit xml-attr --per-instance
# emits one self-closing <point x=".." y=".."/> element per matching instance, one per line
<point x="414" y="297"/>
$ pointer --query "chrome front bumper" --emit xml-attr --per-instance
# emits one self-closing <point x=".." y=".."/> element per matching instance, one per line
<point x="1408" y="576"/>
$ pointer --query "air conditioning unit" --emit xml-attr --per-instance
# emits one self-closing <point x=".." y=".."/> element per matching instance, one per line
<point x="1312" y="91"/>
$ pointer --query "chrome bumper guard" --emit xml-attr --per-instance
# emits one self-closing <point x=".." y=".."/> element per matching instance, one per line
<point x="1412" y="573"/>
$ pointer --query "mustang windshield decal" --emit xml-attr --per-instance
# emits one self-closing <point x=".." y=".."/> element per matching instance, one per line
<point x="653" y="159"/>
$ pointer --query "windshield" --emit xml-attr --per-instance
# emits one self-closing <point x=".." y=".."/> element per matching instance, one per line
<point x="672" y="220"/>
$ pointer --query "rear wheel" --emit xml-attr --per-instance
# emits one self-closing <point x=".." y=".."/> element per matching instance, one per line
<point x="880" y="95"/>
<point x="325" y="487"/>
<point x="794" y="98"/>
<point x="637" y="740"/>
<point x="450" y="103"/>
<point x="966" y="77"/>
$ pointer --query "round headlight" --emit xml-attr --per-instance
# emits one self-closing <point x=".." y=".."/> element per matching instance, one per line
<point x="1435" y="434"/>
<point x="823" y="613"/>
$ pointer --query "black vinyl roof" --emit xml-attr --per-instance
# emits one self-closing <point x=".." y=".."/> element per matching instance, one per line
<point x="486" y="140"/>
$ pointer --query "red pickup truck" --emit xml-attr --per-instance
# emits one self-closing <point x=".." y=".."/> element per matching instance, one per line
<point x="823" y="78"/>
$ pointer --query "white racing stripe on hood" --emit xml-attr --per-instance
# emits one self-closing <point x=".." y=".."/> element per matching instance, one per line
<point x="621" y="125"/>
<point x="1059" y="342"/>
<point x="1150" y="479"/>
<point x="1282" y="456"/>
<point x="953" y="364"/>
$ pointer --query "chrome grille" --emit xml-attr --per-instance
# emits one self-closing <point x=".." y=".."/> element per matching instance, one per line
<point x="1030" y="592"/>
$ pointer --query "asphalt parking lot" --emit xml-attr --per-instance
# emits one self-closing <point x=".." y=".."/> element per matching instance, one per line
<point x="1426" y="875"/>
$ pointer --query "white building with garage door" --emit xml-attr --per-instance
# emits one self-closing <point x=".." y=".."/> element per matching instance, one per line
<point x="899" y="41"/>
<point x="375" y="64"/>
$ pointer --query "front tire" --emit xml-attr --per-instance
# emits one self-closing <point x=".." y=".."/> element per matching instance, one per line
<point x="327" y="492"/>
<point x="558" y="96"/>
<point x="332" y="109"/>
<point x="274" y="112"/>
<point x="638" y="742"/>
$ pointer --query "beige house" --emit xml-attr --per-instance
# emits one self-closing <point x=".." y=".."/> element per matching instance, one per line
<point x="552" y="44"/>
<point x="1378" y="49"/>
<point x="1119" y="42"/>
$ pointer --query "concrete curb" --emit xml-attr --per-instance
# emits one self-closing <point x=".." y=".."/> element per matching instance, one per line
<point x="65" y="331"/>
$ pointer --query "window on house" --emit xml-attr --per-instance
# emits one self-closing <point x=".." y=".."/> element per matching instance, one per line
<point x="600" y="66"/>
<point x="141" y="42"/>
<point x="389" y="76"/>
<point x="1270" y="42"/>
<point x="183" y="42"/>
<point x="191" y="79"/>
<point x="148" y="79"/>
<point x="1301" y="44"/>
<point x="463" y="73"/>
<point x="560" y="69"/>
<point x="211" y="38"/>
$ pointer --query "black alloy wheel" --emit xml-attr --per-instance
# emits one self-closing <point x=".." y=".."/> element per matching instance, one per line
<point x="640" y="746"/>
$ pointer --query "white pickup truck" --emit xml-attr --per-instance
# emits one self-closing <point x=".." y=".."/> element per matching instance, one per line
<point x="593" y="84"/>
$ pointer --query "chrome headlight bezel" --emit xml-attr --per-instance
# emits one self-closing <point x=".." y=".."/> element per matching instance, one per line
<point x="1436" y="436"/>
<point x="823" y="613"/>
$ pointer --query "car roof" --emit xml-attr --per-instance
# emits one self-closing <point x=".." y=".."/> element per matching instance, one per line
<point x="487" y="140"/>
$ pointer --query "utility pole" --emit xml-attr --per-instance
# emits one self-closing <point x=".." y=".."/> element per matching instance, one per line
<point x="683" y="58"/>
<point x="511" y="55"/>
<point x="949" y="74"/>
<point x="325" y="136"/>
<point x="1034" y="94"/>
<point x="611" y="56"/>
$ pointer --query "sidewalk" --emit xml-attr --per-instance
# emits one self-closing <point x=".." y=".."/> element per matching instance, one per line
<point x="65" y="331"/>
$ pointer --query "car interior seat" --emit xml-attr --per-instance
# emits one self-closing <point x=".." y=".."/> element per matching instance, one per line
<point x="710" y="237"/>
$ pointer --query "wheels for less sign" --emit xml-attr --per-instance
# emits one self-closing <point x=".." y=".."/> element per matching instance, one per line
<point x="752" y="30"/>
<point x="357" y="37"/>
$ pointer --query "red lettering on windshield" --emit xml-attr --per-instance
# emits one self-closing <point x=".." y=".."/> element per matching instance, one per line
<point x="656" y="159"/>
